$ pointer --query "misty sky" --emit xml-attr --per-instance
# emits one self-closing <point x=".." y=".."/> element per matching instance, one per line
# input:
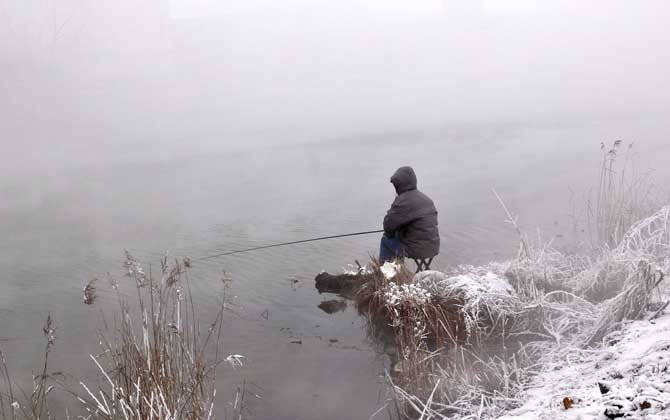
<point x="79" y="77"/>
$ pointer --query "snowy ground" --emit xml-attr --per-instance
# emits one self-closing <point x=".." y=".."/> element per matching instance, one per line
<point x="628" y="378"/>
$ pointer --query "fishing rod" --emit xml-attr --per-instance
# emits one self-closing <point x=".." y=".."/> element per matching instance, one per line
<point x="286" y="243"/>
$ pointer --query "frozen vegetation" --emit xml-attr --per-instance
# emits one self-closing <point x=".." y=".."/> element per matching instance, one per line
<point x="544" y="336"/>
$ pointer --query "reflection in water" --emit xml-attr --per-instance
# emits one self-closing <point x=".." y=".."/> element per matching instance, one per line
<point x="332" y="306"/>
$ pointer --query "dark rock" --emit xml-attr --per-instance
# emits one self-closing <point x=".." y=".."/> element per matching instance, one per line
<point x="604" y="387"/>
<point x="614" y="412"/>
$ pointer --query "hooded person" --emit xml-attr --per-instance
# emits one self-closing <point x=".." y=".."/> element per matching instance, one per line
<point x="410" y="225"/>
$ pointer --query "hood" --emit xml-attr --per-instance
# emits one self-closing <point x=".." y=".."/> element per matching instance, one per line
<point x="404" y="180"/>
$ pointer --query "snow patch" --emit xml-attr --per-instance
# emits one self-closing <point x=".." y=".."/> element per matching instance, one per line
<point x="628" y="377"/>
<point x="390" y="269"/>
<point x="405" y="294"/>
<point x="470" y="285"/>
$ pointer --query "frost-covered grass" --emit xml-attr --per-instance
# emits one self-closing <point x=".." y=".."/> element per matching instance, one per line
<point x="474" y="342"/>
<point x="627" y="376"/>
<point x="405" y="294"/>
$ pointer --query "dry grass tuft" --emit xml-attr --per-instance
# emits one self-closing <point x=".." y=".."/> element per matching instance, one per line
<point x="159" y="368"/>
<point x="630" y="304"/>
<point x="89" y="292"/>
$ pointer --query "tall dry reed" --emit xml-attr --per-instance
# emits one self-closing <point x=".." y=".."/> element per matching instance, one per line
<point x="17" y="403"/>
<point x="621" y="197"/>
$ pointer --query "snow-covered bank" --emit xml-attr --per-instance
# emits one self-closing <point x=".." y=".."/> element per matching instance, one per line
<point x="525" y="339"/>
<point x="560" y="372"/>
<point x="628" y="377"/>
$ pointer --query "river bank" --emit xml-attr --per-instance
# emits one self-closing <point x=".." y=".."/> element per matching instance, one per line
<point x="521" y="339"/>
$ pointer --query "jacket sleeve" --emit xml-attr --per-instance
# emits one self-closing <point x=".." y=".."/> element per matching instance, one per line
<point x="398" y="215"/>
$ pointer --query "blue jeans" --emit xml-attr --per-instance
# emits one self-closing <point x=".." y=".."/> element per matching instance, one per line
<point x="389" y="249"/>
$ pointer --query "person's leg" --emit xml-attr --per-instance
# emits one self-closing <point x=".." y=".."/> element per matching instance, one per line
<point x="389" y="249"/>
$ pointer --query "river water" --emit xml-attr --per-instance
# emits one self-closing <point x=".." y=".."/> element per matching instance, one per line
<point x="61" y="227"/>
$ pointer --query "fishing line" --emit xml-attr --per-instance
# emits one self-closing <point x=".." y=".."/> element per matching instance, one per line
<point x="286" y="243"/>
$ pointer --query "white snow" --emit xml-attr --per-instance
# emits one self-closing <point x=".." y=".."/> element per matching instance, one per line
<point x="470" y="284"/>
<point x="355" y="270"/>
<point x="390" y="269"/>
<point x="633" y="367"/>
<point x="406" y="294"/>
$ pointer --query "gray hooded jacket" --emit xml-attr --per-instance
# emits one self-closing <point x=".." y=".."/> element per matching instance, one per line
<point x="412" y="217"/>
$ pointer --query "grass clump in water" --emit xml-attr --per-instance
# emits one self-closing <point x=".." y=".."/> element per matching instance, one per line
<point x="156" y="361"/>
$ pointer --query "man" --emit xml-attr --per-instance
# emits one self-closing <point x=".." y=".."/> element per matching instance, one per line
<point x="410" y="225"/>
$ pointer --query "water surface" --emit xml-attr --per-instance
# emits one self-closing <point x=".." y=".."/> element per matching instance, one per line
<point x="61" y="227"/>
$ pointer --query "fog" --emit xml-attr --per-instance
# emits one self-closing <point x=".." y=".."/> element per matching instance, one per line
<point x="88" y="82"/>
<point x="198" y="127"/>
